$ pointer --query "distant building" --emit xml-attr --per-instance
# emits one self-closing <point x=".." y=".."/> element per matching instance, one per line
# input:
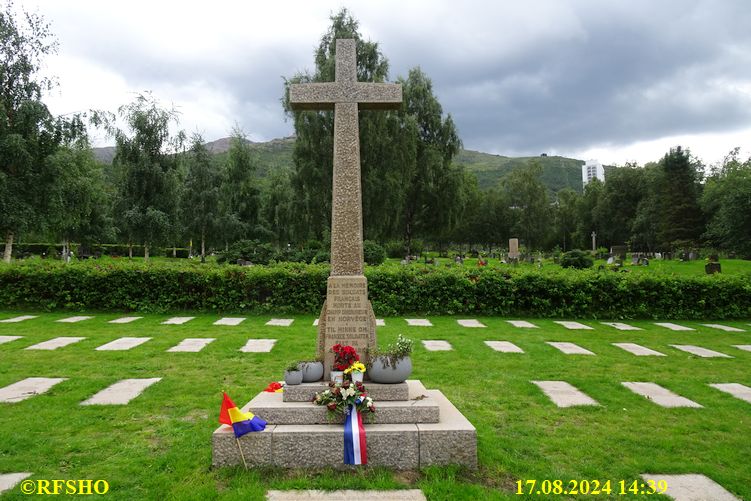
<point x="592" y="169"/>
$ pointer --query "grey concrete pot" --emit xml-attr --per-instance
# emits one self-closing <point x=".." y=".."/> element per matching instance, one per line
<point x="311" y="371"/>
<point x="292" y="377"/>
<point x="398" y="373"/>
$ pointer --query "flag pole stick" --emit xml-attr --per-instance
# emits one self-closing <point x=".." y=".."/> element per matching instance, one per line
<point x="241" y="452"/>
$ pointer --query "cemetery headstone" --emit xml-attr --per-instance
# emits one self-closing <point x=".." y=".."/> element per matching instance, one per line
<point x="619" y="252"/>
<point x="347" y="316"/>
<point x="513" y="248"/>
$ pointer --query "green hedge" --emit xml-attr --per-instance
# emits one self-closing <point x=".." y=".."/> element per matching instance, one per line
<point x="297" y="288"/>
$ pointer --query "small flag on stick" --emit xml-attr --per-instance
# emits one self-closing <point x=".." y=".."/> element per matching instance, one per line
<point x="241" y="422"/>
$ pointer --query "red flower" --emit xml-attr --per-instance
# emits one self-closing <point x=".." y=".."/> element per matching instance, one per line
<point x="331" y="406"/>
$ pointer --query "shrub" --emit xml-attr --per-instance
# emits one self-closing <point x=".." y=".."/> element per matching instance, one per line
<point x="395" y="250"/>
<point x="576" y="259"/>
<point x="322" y="256"/>
<point x="248" y="250"/>
<point x="122" y="285"/>
<point x="374" y="253"/>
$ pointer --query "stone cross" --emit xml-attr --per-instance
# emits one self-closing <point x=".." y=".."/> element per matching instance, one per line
<point x="594" y="241"/>
<point x="347" y="316"/>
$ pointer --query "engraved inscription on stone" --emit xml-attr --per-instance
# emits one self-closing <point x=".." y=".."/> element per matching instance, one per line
<point x="347" y="318"/>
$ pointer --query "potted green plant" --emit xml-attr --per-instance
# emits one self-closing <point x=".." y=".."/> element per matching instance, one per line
<point x="293" y="374"/>
<point x="392" y="365"/>
<point x="312" y="370"/>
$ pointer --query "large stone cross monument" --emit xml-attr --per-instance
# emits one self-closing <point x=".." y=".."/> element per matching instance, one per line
<point x="347" y="316"/>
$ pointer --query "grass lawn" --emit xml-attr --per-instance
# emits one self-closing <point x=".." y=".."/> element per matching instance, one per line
<point x="159" y="445"/>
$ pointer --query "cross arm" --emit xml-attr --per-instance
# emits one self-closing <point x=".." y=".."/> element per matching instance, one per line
<point x="323" y="96"/>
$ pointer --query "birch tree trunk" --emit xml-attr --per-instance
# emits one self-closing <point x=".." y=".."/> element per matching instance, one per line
<point x="8" y="246"/>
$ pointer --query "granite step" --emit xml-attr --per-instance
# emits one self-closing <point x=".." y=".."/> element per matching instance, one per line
<point x="381" y="392"/>
<point x="452" y="440"/>
<point x="271" y="408"/>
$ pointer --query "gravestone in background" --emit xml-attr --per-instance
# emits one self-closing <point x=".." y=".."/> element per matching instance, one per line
<point x="619" y="252"/>
<point x="347" y="315"/>
<point x="513" y="248"/>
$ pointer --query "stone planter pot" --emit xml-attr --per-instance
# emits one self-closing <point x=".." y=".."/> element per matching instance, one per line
<point x="337" y="376"/>
<point x="292" y="377"/>
<point x="397" y="373"/>
<point x="356" y="376"/>
<point x="311" y="371"/>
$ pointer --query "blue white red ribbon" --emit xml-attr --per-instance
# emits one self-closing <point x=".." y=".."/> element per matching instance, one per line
<point x="355" y="443"/>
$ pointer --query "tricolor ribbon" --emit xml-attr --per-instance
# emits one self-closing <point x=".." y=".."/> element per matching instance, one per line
<point x="355" y="443"/>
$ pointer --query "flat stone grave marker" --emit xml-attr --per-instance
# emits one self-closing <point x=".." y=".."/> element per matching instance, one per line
<point x="699" y="351"/>
<point x="8" y="339"/>
<point x="744" y="347"/>
<point x="192" y="344"/>
<point x="380" y="322"/>
<point x="563" y="394"/>
<point x="569" y="348"/>
<point x="17" y="319"/>
<point x="673" y="327"/>
<point x="121" y="392"/>
<point x="573" y="325"/>
<point x="122" y="344"/>
<point x="230" y="321"/>
<point x="436" y="345"/>
<point x="523" y="324"/>
<point x="725" y="328"/>
<point x="124" y="320"/>
<point x="418" y="322"/>
<point x="177" y="320"/>
<point x="473" y="323"/>
<point x="9" y="480"/>
<point x="691" y="487"/>
<point x="659" y="395"/>
<point x="504" y="346"/>
<point x="639" y="350"/>
<point x="71" y="320"/>
<point x="621" y="326"/>
<point x="347" y="495"/>
<point x="27" y="388"/>
<point x="280" y="322"/>
<point x="736" y="389"/>
<point x="258" y="346"/>
<point x="55" y="343"/>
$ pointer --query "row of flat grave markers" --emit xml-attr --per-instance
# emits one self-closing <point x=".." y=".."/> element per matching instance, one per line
<point x="412" y="322"/>
<point x="188" y="345"/>
<point x="563" y="394"/>
<point x="192" y="345"/>
<point x="274" y="322"/>
<point x="119" y="393"/>
<point x="574" y="349"/>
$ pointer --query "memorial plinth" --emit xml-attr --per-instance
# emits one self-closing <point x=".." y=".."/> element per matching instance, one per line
<point x="421" y="430"/>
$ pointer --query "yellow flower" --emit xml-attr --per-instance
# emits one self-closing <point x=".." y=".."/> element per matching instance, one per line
<point x="357" y="366"/>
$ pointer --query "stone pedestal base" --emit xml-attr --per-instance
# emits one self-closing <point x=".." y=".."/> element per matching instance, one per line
<point x="448" y="439"/>
<point x="347" y="318"/>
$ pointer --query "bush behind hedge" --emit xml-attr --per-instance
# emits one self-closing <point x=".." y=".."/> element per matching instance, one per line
<point x="299" y="288"/>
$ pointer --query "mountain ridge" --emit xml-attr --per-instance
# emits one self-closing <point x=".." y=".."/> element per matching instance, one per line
<point x="558" y="171"/>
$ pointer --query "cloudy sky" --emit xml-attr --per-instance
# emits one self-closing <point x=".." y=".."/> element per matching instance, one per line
<point x="617" y="81"/>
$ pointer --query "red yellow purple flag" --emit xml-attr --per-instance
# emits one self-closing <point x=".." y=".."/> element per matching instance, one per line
<point x="241" y="422"/>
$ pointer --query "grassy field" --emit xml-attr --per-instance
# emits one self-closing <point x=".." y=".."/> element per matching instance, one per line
<point x="656" y="266"/>
<point x="159" y="445"/>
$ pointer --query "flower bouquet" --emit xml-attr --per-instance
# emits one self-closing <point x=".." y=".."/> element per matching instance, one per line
<point x="355" y="372"/>
<point x="340" y="396"/>
<point x="344" y="357"/>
